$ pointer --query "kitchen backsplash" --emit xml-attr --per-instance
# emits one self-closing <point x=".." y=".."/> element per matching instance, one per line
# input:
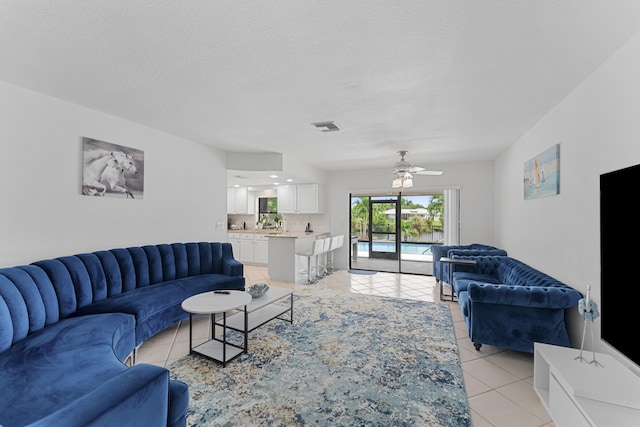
<point x="292" y="222"/>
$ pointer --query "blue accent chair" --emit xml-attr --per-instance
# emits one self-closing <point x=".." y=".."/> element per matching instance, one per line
<point x="447" y="251"/>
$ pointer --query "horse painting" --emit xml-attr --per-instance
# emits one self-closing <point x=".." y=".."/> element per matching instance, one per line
<point x="105" y="166"/>
<point x="93" y="169"/>
<point x="112" y="176"/>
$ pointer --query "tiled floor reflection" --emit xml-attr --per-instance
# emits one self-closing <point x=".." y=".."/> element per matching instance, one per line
<point x="499" y="382"/>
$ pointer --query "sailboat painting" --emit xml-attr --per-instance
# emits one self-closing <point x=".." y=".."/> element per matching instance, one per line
<point x="542" y="174"/>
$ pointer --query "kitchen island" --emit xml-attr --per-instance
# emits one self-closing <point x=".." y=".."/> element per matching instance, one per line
<point x="284" y="265"/>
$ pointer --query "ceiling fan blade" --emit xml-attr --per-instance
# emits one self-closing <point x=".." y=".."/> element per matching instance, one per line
<point x="426" y="172"/>
<point x="404" y="167"/>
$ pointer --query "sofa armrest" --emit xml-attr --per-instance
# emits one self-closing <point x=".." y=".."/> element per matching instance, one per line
<point x="526" y="296"/>
<point x="138" y="396"/>
<point x="230" y="266"/>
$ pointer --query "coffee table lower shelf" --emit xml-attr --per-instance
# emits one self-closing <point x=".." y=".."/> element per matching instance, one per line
<point x="256" y="318"/>
<point x="261" y="311"/>
<point x="219" y="351"/>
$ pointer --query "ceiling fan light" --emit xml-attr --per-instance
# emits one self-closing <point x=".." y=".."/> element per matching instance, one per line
<point x="397" y="183"/>
<point x="407" y="183"/>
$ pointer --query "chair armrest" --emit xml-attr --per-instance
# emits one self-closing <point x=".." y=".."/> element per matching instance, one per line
<point x="526" y="296"/>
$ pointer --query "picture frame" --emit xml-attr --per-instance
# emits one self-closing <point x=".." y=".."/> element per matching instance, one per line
<point x="541" y="174"/>
<point x="111" y="170"/>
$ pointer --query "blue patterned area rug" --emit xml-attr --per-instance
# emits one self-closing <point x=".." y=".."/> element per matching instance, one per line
<point x="347" y="360"/>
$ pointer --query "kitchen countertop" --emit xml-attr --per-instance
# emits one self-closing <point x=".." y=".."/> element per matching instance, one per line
<point x="282" y="234"/>
<point x="297" y="234"/>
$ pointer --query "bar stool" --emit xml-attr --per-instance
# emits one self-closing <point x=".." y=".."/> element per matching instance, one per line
<point x="336" y="243"/>
<point x="313" y="251"/>
<point x="322" y="258"/>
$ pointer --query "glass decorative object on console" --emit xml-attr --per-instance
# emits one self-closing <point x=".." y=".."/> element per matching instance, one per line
<point x="589" y="310"/>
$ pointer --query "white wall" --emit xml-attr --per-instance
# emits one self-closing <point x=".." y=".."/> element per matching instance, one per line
<point x="598" y="128"/>
<point x="43" y="213"/>
<point x="475" y="181"/>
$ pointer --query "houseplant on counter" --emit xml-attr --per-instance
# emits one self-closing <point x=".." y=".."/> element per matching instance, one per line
<point x="277" y="221"/>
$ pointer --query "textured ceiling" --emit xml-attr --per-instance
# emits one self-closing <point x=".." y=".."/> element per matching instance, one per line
<point x="449" y="81"/>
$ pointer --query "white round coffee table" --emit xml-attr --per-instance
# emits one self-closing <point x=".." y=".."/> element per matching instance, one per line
<point x="212" y="303"/>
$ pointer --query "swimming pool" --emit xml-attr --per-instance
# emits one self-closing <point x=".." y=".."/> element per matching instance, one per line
<point x="405" y="248"/>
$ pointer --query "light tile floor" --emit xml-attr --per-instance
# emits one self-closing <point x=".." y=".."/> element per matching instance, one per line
<point x="499" y="382"/>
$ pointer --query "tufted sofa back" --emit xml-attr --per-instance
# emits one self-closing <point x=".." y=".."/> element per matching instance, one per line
<point x="36" y="295"/>
<point x="517" y="273"/>
<point x="510" y="271"/>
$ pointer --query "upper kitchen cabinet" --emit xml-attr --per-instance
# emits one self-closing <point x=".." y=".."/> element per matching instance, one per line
<point x="300" y="199"/>
<point x="287" y="199"/>
<point x="240" y="201"/>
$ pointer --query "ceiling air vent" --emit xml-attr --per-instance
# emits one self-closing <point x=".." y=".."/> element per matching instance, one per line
<point x="329" y="126"/>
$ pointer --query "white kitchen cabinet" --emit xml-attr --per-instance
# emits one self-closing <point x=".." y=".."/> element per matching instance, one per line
<point x="287" y="199"/>
<point x="251" y="202"/>
<point x="234" y="239"/>
<point x="246" y="247"/>
<point x="309" y="198"/>
<point x="261" y="249"/>
<point x="253" y="248"/>
<point x="300" y="199"/>
<point x="237" y="200"/>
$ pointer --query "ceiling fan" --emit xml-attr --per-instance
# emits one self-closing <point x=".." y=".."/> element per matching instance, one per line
<point x="404" y="172"/>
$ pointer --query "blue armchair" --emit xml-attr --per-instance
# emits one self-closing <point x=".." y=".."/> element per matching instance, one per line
<point x="440" y="251"/>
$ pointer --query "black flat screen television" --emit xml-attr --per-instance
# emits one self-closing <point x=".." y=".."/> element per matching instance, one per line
<point x="619" y="240"/>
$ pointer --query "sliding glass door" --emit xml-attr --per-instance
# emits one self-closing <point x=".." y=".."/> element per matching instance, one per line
<point x="395" y="233"/>
<point x="384" y="228"/>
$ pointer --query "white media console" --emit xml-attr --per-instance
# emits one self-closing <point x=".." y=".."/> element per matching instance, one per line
<point x="579" y="393"/>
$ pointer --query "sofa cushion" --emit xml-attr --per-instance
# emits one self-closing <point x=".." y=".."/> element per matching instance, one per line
<point x="463" y="278"/>
<point x="157" y="307"/>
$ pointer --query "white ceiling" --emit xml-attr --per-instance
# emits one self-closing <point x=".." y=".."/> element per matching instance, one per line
<point x="447" y="80"/>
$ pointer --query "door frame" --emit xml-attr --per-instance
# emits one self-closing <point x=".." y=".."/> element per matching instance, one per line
<point x="395" y="255"/>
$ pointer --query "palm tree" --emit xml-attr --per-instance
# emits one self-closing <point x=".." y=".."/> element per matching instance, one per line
<point x="436" y="209"/>
<point x="360" y="215"/>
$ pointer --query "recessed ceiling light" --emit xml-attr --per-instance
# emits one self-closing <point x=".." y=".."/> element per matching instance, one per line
<point x="273" y="176"/>
<point x="276" y="183"/>
<point x="236" y="185"/>
<point x="289" y="180"/>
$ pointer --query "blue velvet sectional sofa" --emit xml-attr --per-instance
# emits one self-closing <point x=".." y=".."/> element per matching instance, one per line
<point x="68" y="324"/>
<point x="508" y="304"/>
<point x="447" y="251"/>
